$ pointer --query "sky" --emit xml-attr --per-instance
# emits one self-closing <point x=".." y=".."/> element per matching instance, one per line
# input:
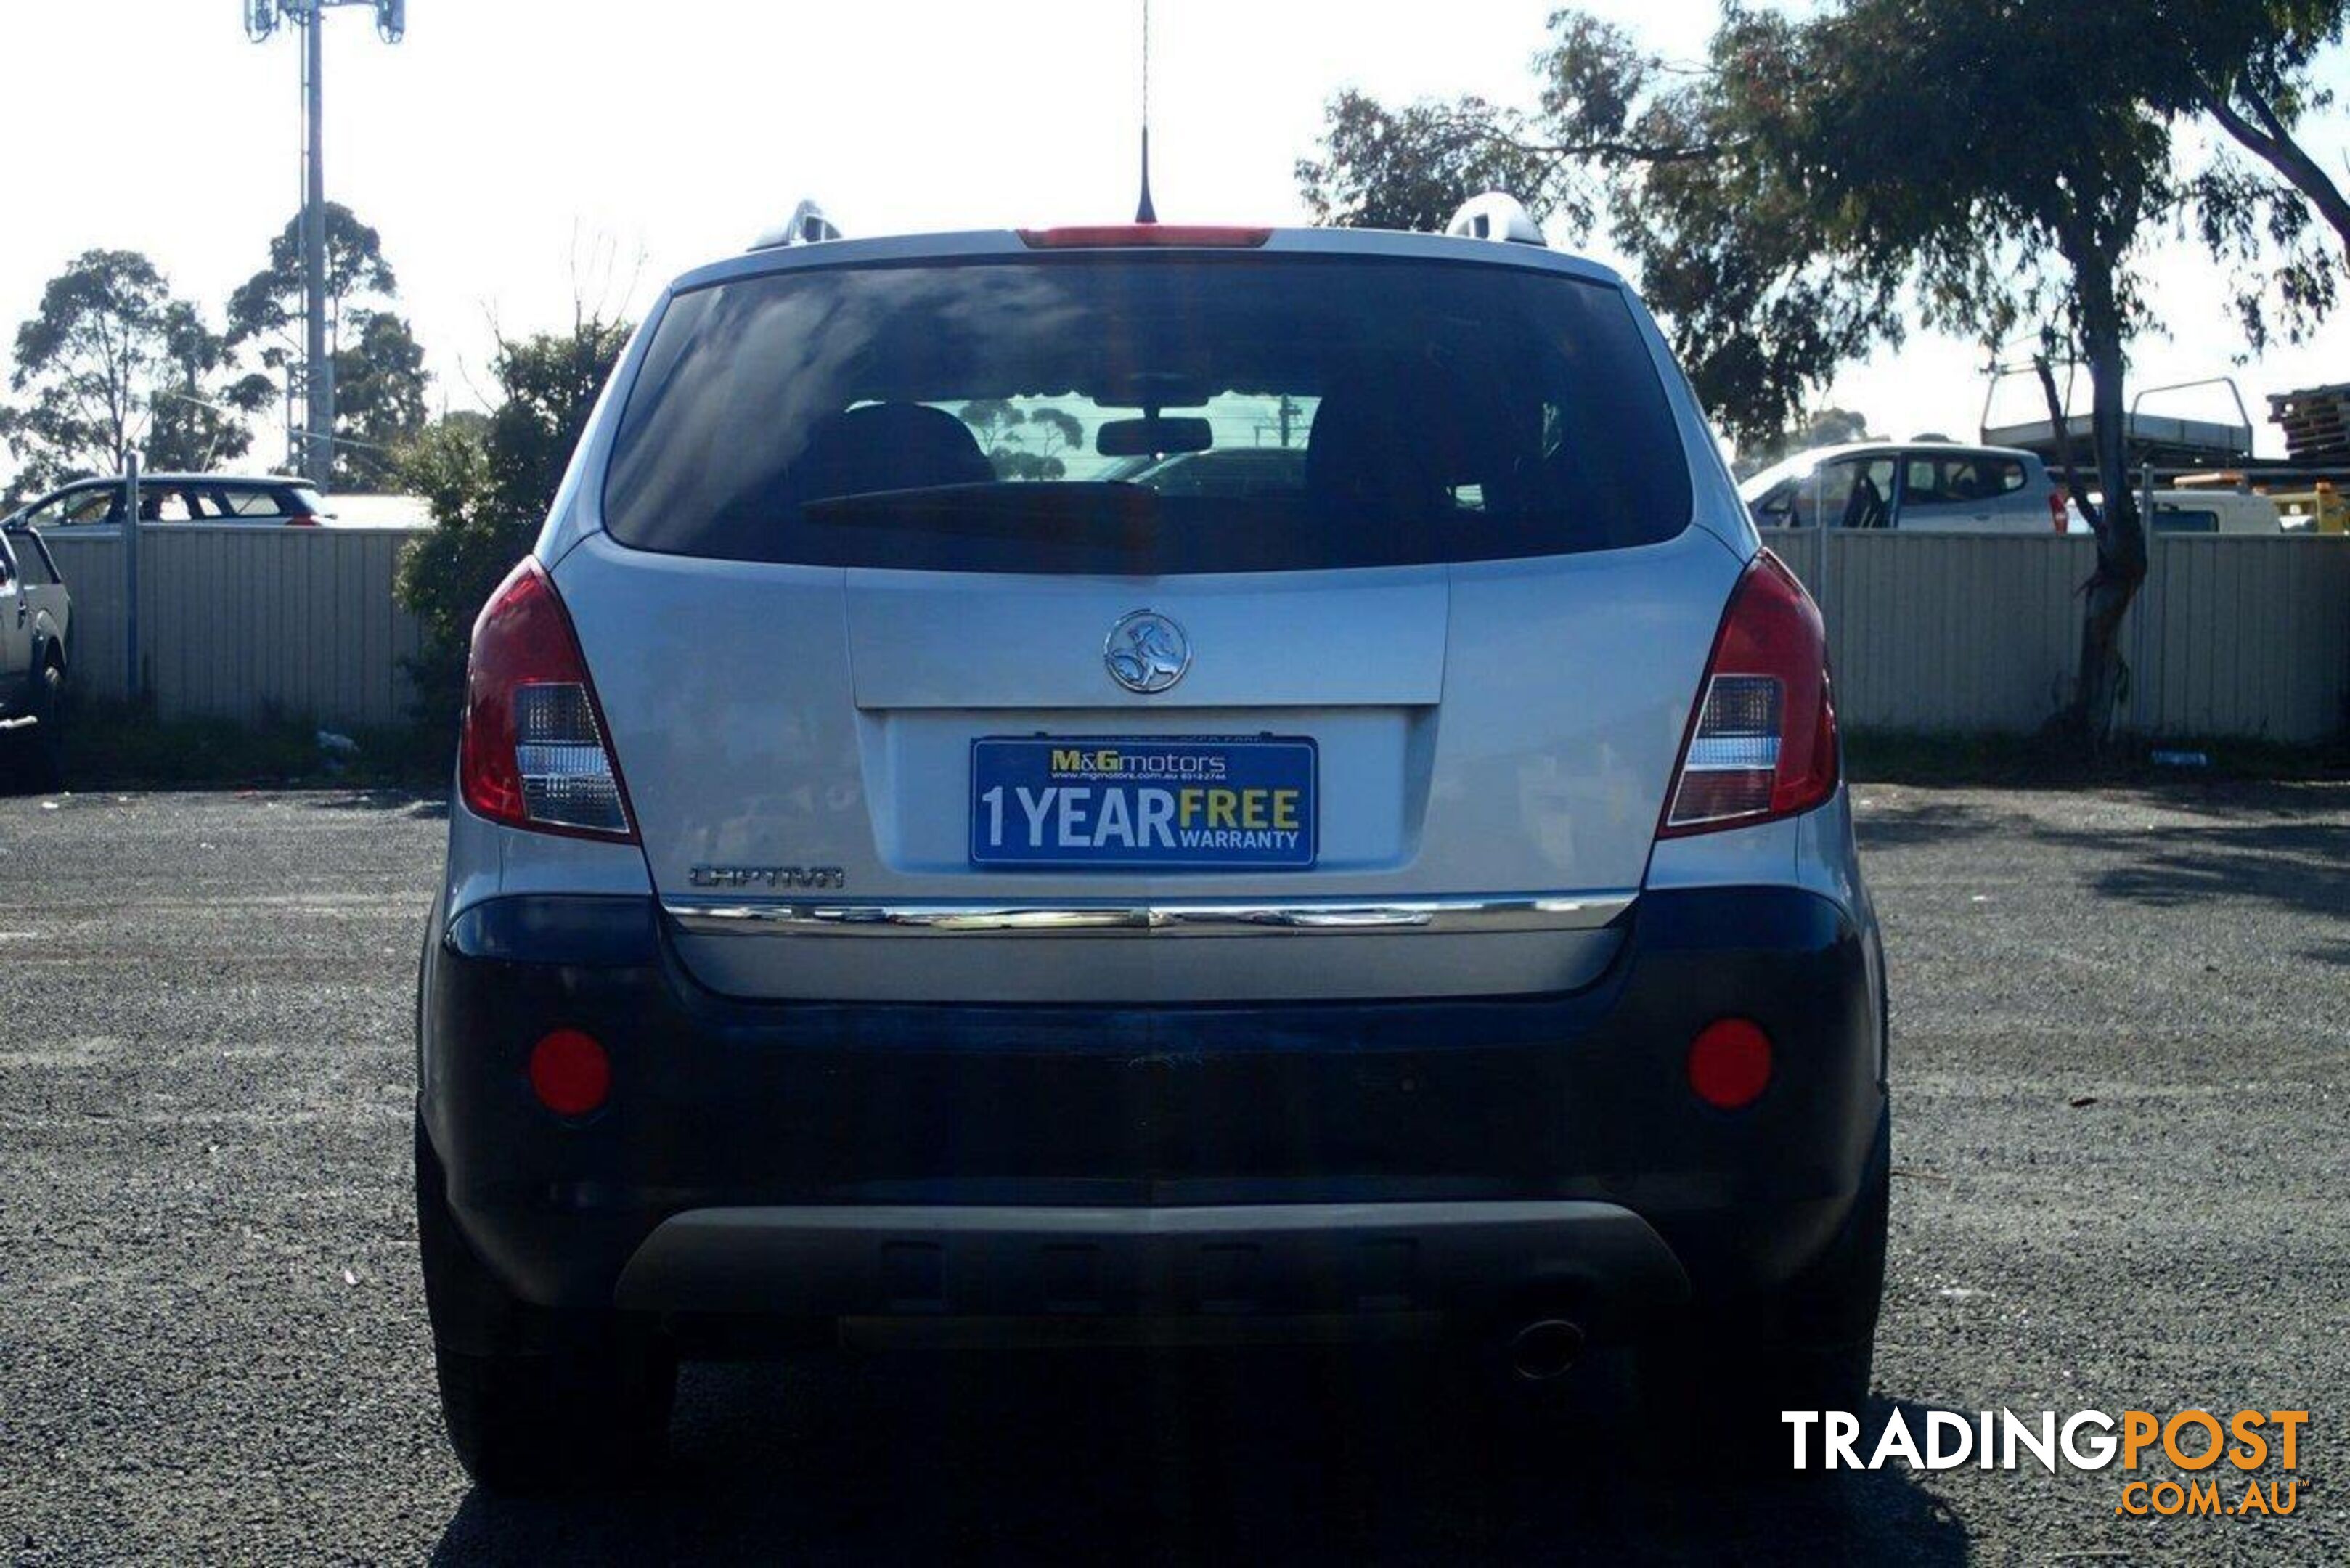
<point x="517" y="152"/>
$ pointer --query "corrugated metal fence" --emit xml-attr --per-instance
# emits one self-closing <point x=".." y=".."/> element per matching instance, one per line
<point x="1957" y="632"/>
<point x="2230" y="635"/>
<point x="237" y="621"/>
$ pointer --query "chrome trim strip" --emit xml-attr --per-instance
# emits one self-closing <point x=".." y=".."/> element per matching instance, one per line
<point x="1320" y="916"/>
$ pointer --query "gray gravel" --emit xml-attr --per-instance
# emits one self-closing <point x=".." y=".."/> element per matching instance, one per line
<point x="2120" y="1054"/>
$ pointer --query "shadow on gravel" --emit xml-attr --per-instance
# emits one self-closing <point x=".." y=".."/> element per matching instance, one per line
<point x="1927" y="821"/>
<point x="1131" y="1458"/>
<point x="2296" y="865"/>
<point x="395" y="801"/>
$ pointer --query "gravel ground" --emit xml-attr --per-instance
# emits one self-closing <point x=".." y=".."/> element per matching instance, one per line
<point x="2120" y="1049"/>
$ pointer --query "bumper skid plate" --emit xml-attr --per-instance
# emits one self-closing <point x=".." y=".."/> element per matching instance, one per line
<point x="845" y="1260"/>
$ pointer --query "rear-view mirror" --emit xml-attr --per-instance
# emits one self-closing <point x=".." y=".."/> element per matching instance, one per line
<point x="1153" y="437"/>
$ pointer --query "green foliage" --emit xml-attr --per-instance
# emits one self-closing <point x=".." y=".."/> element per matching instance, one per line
<point x="111" y="361"/>
<point x="1993" y="164"/>
<point x="2252" y="65"/>
<point x="1823" y="427"/>
<point x="125" y="745"/>
<point x="1023" y="443"/>
<point x="1409" y="168"/>
<point x="268" y="305"/>
<point x="379" y="387"/>
<point x="1997" y="164"/>
<point x="489" y="482"/>
<point x="379" y="377"/>
<point x="197" y="418"/>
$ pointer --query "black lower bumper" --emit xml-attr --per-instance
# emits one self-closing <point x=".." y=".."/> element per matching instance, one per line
<point x="829" y="1160"/>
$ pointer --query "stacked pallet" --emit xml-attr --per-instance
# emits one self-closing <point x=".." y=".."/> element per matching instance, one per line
<point x="2315" y="422"/>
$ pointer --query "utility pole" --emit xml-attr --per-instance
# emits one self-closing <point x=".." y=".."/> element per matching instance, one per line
<point x="319" y="362"/>
<point x="261" y="18"/>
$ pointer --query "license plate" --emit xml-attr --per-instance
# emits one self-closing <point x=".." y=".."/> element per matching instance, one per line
<point x="1205" y="802"/>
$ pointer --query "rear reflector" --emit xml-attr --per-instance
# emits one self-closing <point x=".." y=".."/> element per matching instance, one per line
<point x="1108" y="235"/>
<point x="570" y="1073"/>
<point x="1730" y="1063"/>
<point x="532" y="752"/>
<point x="1763" y="743"/>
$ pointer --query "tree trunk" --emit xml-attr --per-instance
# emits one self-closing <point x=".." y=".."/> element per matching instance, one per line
<point x="2121" y="537"/>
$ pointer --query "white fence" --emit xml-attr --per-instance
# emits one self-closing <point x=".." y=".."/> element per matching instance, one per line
<point x="2231" y="636"/>
<point x="236" y="621"/>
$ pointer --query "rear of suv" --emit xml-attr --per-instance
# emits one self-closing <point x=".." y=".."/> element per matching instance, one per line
<point x="912" y="875"/>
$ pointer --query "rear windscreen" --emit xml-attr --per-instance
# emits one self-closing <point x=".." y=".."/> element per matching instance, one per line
<point x="1147" y="414"/>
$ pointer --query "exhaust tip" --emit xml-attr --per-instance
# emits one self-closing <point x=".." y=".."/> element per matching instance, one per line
<point x="1544" y="1349"/>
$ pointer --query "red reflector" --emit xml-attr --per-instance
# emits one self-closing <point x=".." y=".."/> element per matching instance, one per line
<point x="570" y="1073"/>
<point x="1083" y="236"/>
<point x="1730" y="1063"/>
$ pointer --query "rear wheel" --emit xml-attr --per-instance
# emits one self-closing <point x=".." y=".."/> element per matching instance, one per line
<point x="1719" y="1377"/>
<point x="535" y="1400"/>
<point x="34" y="758"/>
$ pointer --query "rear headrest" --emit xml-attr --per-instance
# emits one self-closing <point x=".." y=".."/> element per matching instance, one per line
<point x="1366" y="450"/>
<point x="888" y="446"/>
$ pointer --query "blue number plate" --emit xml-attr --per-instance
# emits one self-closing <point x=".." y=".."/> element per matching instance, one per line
<point x="1208" y="803"/>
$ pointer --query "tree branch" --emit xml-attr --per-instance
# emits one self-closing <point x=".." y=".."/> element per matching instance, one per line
<point x="2273" y="142"/>
<point x="1603" y="147"/>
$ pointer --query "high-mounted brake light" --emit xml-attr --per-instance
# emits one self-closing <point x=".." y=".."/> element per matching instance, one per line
<point x="1764" y="744"/>
<point x="1105" y="237"/>
<point x="532" y="752"/>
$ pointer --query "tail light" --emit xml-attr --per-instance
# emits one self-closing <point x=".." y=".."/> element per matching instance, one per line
<point x="303" y="520"/>
<point x="532" y="752"/>
<point x="2056" y="518"/>
<point x="1764" y="742"/>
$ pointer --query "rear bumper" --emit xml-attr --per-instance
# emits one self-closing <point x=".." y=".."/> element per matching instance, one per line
<point x="831" y="1160"/>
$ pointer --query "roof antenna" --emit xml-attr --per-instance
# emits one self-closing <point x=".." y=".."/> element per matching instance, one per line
<point x="1144" y="213"/>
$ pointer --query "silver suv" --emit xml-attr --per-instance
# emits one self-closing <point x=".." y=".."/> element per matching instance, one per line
<point x="906" y="877"/>
<point x="1917" y="485"/>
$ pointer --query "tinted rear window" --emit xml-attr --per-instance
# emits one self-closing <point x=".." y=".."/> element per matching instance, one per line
<point x="1159" y="414"/>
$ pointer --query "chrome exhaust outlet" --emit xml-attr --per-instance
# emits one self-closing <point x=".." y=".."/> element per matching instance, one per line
<point x="1544" y="1349"/>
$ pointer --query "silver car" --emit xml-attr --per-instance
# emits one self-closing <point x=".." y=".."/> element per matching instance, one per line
<point x="217" y="500"/>
<point x="1916" y="485"/>
<point x="907" y="881"/>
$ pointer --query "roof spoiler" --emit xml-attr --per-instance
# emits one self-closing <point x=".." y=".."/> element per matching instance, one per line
<point x="807" y="227"/>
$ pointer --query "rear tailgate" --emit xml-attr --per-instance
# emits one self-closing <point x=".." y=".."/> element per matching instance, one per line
<point x="923" y="689"/>
<point x="805" y="736"/>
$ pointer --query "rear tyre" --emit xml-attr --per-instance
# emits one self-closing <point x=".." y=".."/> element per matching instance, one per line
<point x="45" y="767"/>
<point x="1715" y="1378"/>
<point x="34" y="757"/>
<point x="535" y="1400"/>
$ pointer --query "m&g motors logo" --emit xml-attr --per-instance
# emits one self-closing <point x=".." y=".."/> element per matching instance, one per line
<point x="2259" y="1449"/>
